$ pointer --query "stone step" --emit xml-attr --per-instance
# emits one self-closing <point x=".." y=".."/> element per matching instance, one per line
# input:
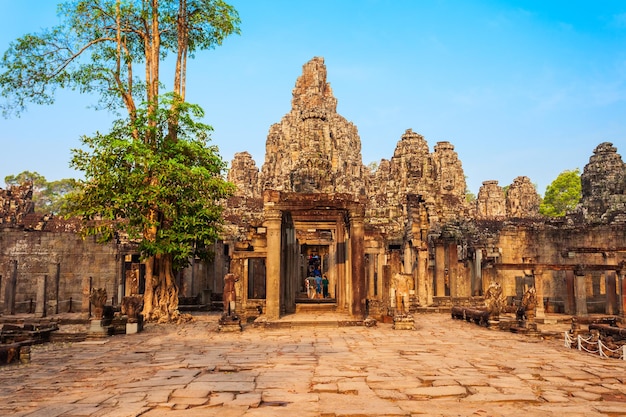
<point x="302" y="308"/>
<point x="322" y="323"/>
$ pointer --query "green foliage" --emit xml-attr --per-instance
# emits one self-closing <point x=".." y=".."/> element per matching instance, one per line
<point x="52" y="198"/>
<point x="128" y="181"/>
<point x="97" y="50"/>
<point x="562" y="195"/>
<point x="49" y="197"/>
<point x="470" y="197"/>
<point x="38" y="180"/>
<point x="372" y="167"/>
<point x="153" y="175"/>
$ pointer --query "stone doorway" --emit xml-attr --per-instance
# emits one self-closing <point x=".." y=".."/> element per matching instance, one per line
<point x="318" y="221"/>
<point x="134" y="271"/>
<point x="316" y="258"/>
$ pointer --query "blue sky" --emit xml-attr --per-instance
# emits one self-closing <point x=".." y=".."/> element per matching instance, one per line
<point x="519" y="88"/>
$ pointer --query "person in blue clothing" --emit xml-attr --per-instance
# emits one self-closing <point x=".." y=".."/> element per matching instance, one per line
<point x="318" y="282"/>
<point x="325" y="286"/>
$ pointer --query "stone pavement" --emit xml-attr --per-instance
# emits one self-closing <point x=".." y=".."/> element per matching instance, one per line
<point x="443" y="368"/>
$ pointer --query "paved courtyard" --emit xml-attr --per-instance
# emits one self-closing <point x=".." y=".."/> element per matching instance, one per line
<point x="443" y="368"/>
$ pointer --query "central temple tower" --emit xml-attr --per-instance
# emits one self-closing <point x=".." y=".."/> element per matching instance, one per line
<point x="313" y="149"/>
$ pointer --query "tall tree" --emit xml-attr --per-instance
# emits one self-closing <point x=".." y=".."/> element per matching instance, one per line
<point x="99" y="48"/>
<point x="562" y="195"/>
<point x="166" y="196"/>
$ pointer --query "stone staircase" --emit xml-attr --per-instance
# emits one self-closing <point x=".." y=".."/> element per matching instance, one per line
<point x="315" y="313"/>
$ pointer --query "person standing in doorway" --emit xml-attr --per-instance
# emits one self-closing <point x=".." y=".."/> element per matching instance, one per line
<point x="318" y="283"/>
<point x="325" y="286"/>
<point x="310" y="287"/>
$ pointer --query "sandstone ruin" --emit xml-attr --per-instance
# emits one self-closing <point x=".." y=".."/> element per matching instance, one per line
<point x="314" y="201"/>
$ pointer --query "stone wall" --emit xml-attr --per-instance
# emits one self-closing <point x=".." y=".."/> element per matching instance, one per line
<point x="65" y="258"/>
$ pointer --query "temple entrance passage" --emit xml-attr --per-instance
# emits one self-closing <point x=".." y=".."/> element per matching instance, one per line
<point x="316" y="272"/>
<point x="309" y="230"/>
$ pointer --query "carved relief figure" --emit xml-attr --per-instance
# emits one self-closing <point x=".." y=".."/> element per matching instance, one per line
<point x="98" y="298"/>
<point x="494" y="300"/>
<point x="401" y="284"/>
<point x="132" y="280"/>
<point x="528" y="306"/>
<point x="131" y="306"/>
<point x="230" y="293"/>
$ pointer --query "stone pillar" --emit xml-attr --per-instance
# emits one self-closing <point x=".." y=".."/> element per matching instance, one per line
<point x="408" y="258"/>
<point x="40" y="306"/>
<point x="424" y="292"/>
<point x="10" y="290"/>
<point x="86" y="305"/>
<point x="622" y="303"/>
<point x="541" y="313"/>
<point x="291" y="274"/>
<point x="370" y="267"/>
<point x="408" y="268"/>
<point x="611" y="294"/>
<point x="477" y="276"/>
<point x="273" y="223"/>
<point x="455" y="282"/>
<point x="580" y="290"/>
<point x="357" y="254"/>
<point x="570" y="296"/>
<point x="57" y="283"/>
<point x="440" y="270"/>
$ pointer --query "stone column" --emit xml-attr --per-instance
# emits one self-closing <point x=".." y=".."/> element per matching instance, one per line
<point x="570" y="295"/>
<point x="408" y="258"/>
<point x="580" y="290"/>
<point x="357" y="254"/>
<point x="408" y="267"/>
<point x="541" y="313"/>
<point x="440" y="270"/>
<point x="455" y="282"/>
<point x="611" y="294"/>
<point x="57" y="283"/>
<point x="370" y="266"/>
<point x="40" y="307"/>
<point x="340" y="270"/>
<point x="477" y="276"/>
<point x="291" y="274"/>
<point x="10" y="290"/>
<point x="86" y="305"/>
<point x="424" y="291"/>
<point x="622" y="303"/>
<point x="273" y="223"/>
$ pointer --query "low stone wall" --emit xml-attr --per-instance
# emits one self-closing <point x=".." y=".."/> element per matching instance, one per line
<point x="45" y="271"/>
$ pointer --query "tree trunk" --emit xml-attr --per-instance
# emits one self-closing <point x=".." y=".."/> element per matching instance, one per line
<point x="167" y="291"/>
<point x="161" y="296"/>
<point x="148" y="297"/>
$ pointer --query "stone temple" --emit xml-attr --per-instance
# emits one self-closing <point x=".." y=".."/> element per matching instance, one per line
<point x="404" y="236"/>
<point x="391" y="240"/>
